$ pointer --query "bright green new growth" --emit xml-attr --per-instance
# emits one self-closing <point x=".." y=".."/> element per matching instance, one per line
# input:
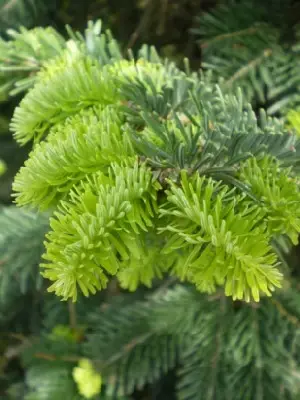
<point x="99" y="224"/>
<point x="22" y="57"/>
<point x="293" y="118"/>
<point x="88" y="380"/>
<point x="53" y="100"/>
<point x="151" y="170"/>
<point x="278" y="193"/>
<point x="83" y="144"/>
<point x="2" y="167"/>
<point x="223" y="238"/>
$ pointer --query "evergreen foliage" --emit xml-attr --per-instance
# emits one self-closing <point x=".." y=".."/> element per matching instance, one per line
<point x="23" y="12"/>
<point x="255" y="47"/>
<point x="113" y="195"/>
<point x="218" y="350"/>
<point x="149" y="179"/>
<point x="22" y="56"/>
<point x="21" y="246"/>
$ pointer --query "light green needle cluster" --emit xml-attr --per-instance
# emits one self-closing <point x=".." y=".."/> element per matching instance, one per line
<point x="224" y="240"/>
<point x="278" y="192"/>
<point x="83" y="144"/>
<point x="97" y="227"/>
<point x="51" y="101"/>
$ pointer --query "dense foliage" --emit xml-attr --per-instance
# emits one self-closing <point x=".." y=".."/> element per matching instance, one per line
<point x="160" y="205"/>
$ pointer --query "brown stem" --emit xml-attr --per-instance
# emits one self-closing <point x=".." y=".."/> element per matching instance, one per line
<point x="52" y="357"/>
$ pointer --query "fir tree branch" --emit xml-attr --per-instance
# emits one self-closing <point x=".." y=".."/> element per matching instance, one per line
<point x="127" y="348"/>
<point x="252" y="64"/>
<point x="246" y="31"/>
